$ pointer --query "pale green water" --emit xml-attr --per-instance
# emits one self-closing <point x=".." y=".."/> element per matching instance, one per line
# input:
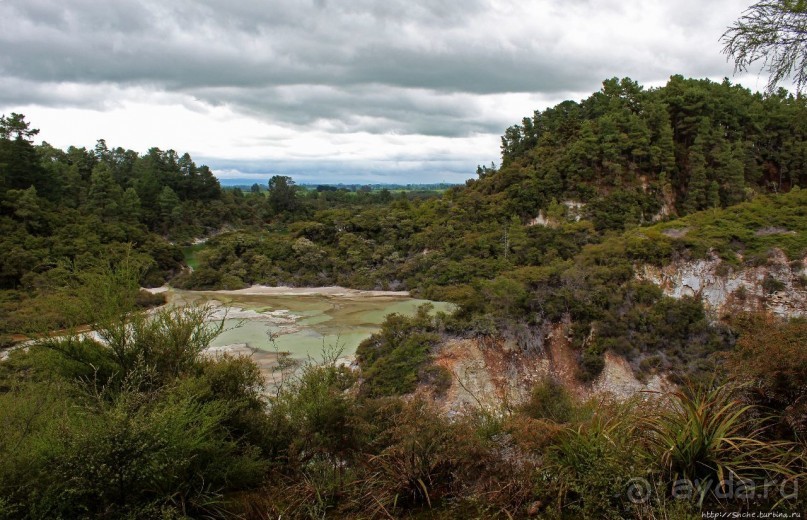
<point x="323" y="321"/>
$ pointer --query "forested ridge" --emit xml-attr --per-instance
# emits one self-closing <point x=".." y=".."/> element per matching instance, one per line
<point x="593" y="170"/>
<point x="145" y="426"/>
<point x="621" y="158"/>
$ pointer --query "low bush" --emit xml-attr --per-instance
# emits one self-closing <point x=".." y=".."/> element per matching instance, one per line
<point x="550" y="400"/>
<point x="771" y="360"/>
<point x="589" y="465"/>
<point x="146" y="299"/>
<point x="391" y="360"/>
<point x="771" y="284"/>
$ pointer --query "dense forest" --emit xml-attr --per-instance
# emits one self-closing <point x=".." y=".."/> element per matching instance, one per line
<point x="630" y="156"/>
<point x="144" y="426"/>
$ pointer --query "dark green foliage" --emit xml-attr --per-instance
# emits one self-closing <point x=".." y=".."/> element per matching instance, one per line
<point x="707" y="140"/>
<point x="592" y="362"/>
<point x="133" y="454"/>
<point x="83" y="208"/>
<point x="283" y="194"/>
<point x="145" y="427"/>
<point x="472" y="238"/>
<point x="709" y="438"/>
<point x="630" y="155"/>
<point x="312" y="417"/>
<point x="146" y="299"/>
<point x="675" y="332"/>
<point x="391" y="359"/>
<point x="138" y="427"/>
<point x="621" y="210"/>
<point x="590" y="463"/>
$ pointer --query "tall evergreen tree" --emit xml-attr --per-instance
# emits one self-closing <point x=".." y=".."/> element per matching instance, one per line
<point x="282" y="194"/>
<point x="696" y="197"/>
<point x="104" y="196"/>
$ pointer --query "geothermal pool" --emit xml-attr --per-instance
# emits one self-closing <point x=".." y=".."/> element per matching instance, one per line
<point x="302" y="321"/>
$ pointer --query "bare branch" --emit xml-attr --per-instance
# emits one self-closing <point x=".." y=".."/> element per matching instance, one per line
<point x="773" y="33"/>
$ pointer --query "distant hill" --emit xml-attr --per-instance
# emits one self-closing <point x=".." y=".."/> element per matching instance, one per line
<point x="239" y="183"/>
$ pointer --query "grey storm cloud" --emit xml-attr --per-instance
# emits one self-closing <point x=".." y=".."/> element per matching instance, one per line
<point x="394" y="66"/>
<point x="369" y="108"/>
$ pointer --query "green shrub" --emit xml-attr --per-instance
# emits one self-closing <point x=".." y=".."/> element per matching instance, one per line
<point x="735" y="229"/>
<point x="391" y="359"/>
<point x="231" y="282"/>
<point x="146" y="299"/>
<point x="644" y="323"/>
<point x="591" y="363"/>
<point x="67" y="454"/>
<point x="312" y="416"/>
<point x="415" y="466"/>
<point x="589" y="464"/>
<point x="550" y="400"/>
<point x="172" y="452"/>
<point x="651" y="364"/>
<point x="437" y="377"/>
<point x="772" y="285"/>
<point x="709" y="437"/>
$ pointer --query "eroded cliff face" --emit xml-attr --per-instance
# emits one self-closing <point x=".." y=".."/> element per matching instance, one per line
<point x="496" y="373"/>
<point x="492" y="374"/>
<point x="777" y="287"/>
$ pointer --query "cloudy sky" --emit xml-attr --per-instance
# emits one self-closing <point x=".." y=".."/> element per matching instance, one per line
<point x="335" y="91"/>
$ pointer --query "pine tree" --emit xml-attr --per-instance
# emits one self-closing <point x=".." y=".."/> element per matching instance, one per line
<point x="713" y="195"/>
<point x="696" y="194"/>
<point x="168" y="201"/>
<point x="730" y="174"/>
<point x="105" y="194"/>
<point x="130" y="206"/>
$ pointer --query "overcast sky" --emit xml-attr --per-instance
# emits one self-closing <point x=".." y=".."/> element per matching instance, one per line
<point x="335" y="91"/>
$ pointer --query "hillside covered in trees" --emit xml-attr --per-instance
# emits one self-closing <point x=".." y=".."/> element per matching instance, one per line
<point x="537" y="240"/>
<point x="587" y="194"/>
<point x="620" y="158"/>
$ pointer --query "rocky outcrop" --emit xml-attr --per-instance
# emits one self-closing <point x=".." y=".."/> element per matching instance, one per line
<point x="573" y="212"/>
<point x="487" y="374"/>
<point x="777" y="287"/>
<point x="541" y="220"/>
<point x="495" y="374"/>
<point x="574" y="209"/>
